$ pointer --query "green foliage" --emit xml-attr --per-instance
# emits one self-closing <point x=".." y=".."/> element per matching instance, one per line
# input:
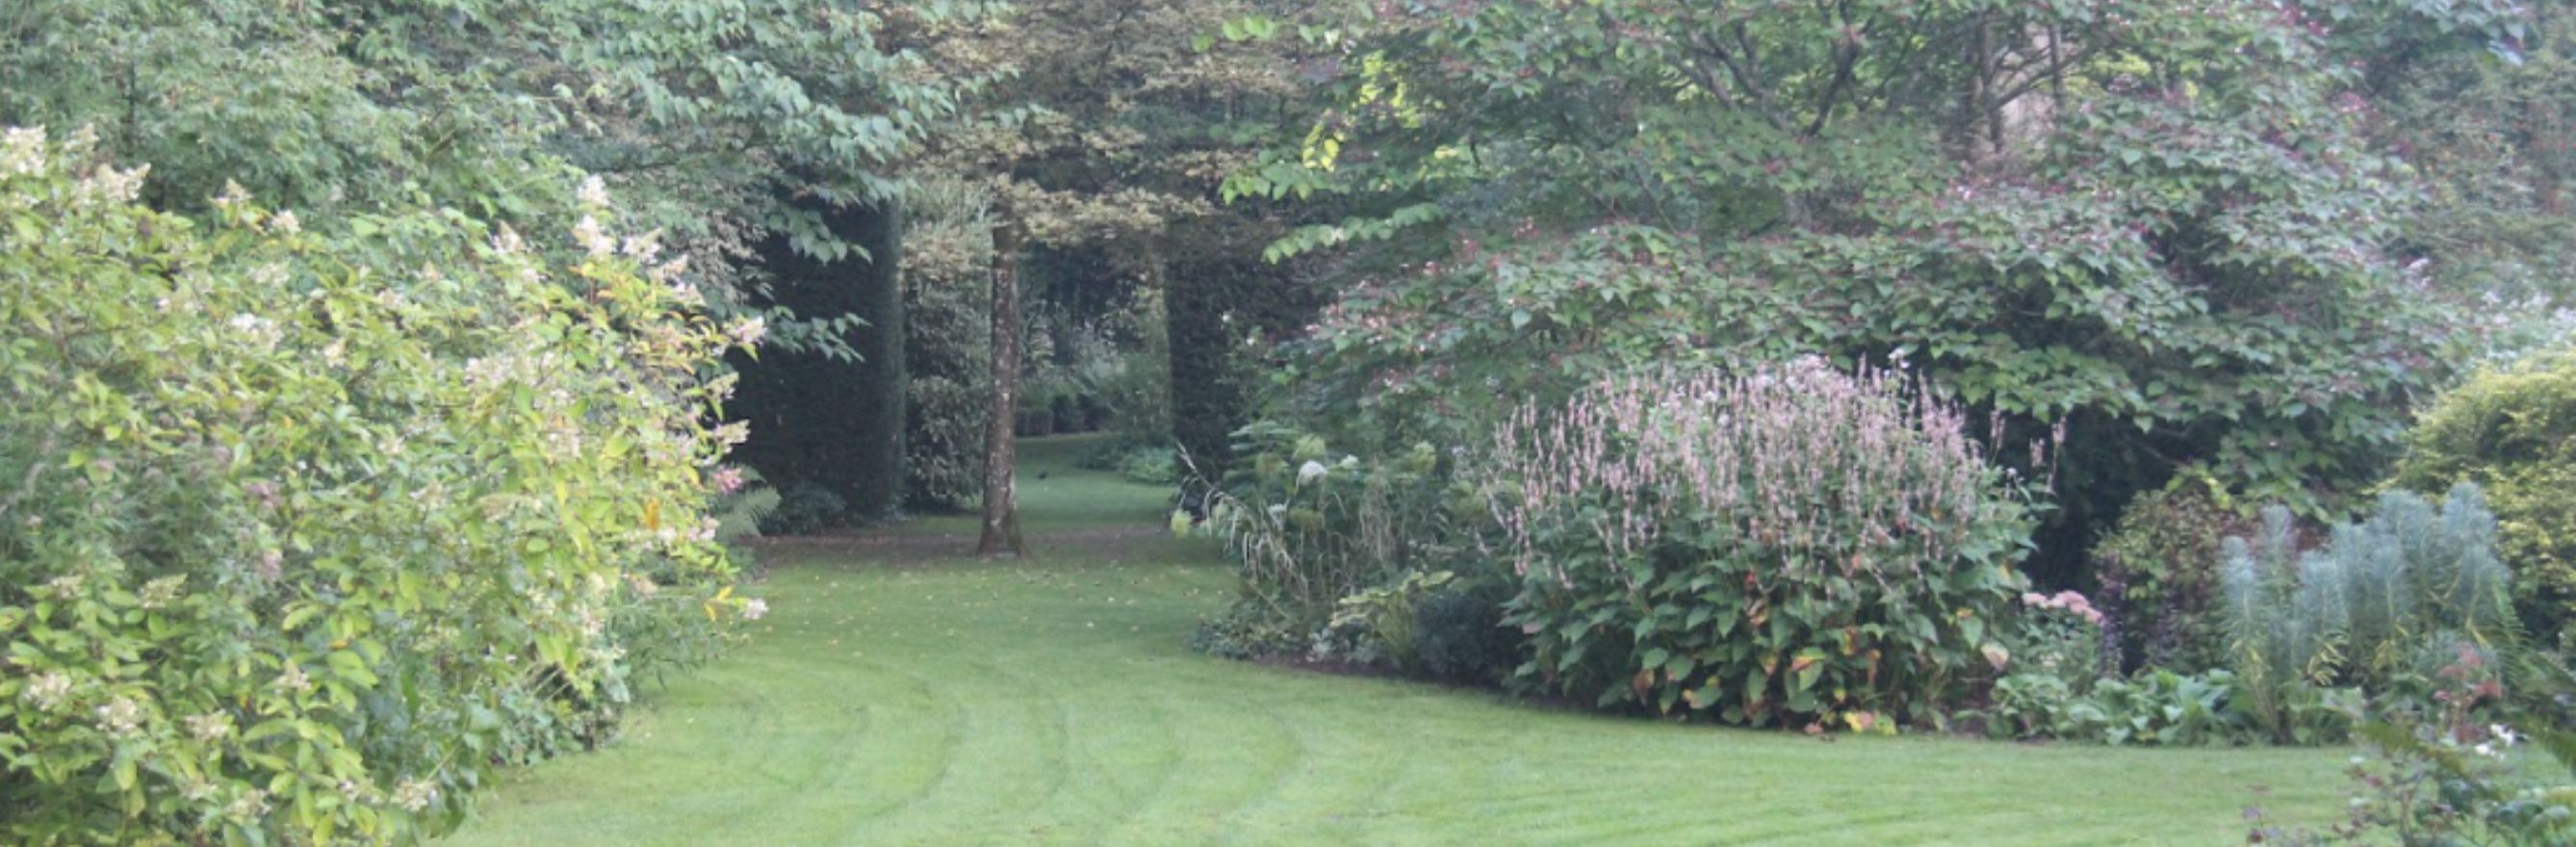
<point x="2163" y="224"/>
<point x="2158" y="707"/>
<point x="2445" y="774"/>
<point x="1458" y="632"/>
<point x="305" y="533"/>
<point x="743" y="503"/>
<point x="2511" y="432"/>
<point x="1150" y="465"/>
<point x="1787" y="546"/>
<point x="948" y="249"/>
<point x="720" y="120"/>
<point x="832" y="408"/>
<point x="2361" y="610"/>
<point x="806" y="511"/>
<point x="1225" y="313"/>
<point x="2488" y="139"/>
<point x="2159" y="571"/>
<point x="2060" y="686"/>
<point x="1378" y="626"/>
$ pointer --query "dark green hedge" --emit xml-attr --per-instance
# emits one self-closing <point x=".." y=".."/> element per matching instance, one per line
<point x="821" y="420"/>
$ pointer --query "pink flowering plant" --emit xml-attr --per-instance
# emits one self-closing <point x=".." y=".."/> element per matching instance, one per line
<point x="1789" y="544"/>
<point x="2058" y="634"/>
<point x="305" y="526"/>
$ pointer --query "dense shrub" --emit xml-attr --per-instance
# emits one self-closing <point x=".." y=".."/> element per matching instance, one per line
<point x="948" y="248"/>
<point x="1458" y="632"/>
<point x="304" y="531"/>
<point x="2364" y="609"/>
<point x="805" y="511"/>
<point x="2159" y="574"/>
<point x="1788" y="545"/>
<point x="2513" y="432"/>
<point x="830" y="406"/>
<point x="1224" y="309"/>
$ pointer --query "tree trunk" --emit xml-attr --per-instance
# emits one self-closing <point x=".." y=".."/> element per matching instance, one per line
<point x="1001" y="451"/>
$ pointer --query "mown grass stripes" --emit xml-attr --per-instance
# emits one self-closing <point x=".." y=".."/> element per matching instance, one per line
<point x="901" y="693"/>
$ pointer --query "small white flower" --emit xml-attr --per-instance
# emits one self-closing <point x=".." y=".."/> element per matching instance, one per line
<point x="285" y="222"/>
<point x="749" y="332"/>
<point x="755" y="609"/>
<point x="211" y="726"/>
<point x="120" y="717"/>
<point x="47" y="690"/>
<point x="162" y="592"/>
<point x="594" y="192"/>
<point x="414" y="795"/>
<point x="234" y="195"/>
<point x="592" y="238"/>
<point x="644" y="248"/>
<point x="1310" y="472"/>
<point x="249" y="806"/>
<point x="22" y="151"/>
<point x="669" y="272"/>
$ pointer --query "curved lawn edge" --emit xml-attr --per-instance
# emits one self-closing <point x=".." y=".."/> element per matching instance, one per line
<point x="903" y="693"/>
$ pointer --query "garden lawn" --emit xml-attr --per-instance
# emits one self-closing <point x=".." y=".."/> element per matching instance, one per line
<point x="902" y="692"/>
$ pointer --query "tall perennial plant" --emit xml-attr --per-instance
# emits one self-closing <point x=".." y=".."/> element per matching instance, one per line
<point x="1788" y="543"/>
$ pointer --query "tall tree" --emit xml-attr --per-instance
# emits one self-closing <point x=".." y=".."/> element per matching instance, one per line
<point x="1001" y="525"/>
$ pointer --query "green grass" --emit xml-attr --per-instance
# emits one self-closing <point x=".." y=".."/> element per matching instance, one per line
<point x="903" y="693"/>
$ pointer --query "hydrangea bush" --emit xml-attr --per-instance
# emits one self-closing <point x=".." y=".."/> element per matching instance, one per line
<point x="305" y="528"/>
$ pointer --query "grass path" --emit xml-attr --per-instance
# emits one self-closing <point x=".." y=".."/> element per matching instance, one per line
<point x="903" y="693"/>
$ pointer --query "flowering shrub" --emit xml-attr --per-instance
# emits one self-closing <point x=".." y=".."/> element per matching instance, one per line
<point x="1793" y="544"/>
<point x="2058" y="634"/>
<point x="2057" y="681"/>
<point x="301" y="533"/>
<point x="1308" y="528"/>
